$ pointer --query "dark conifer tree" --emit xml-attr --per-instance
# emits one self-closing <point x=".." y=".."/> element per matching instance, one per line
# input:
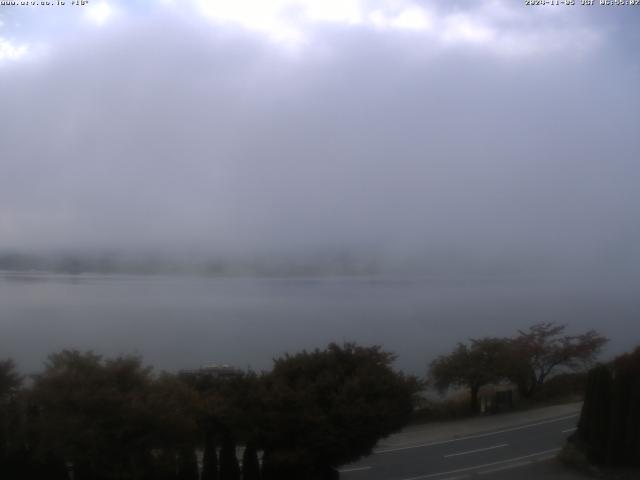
<point x="187" y="464"/>
<point x="267" y="471"/>
<point x="166" y="466"/>
<point x="229" y="469"/>
<point x="51" y="468"/>
<point x="147" y="467"/>
<point x="17" y="465"/>
<point x="250" y="463"/>
<point x="210" y="459"/>
<point x="624" y="434"/>
<point x="610" y="421"/>
<point x="593" y="427"/>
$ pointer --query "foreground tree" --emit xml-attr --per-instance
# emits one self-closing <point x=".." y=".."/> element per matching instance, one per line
<point x="232" y="406"/>
<point x="329" y="407"/>
<point x="88" y="412"/>
<point x="594" y="424"/>
<point x="187" y="464"/>
<point x="543" y="349"/>
<point x="10" y="380"/>
<point x="209" y="459"/>
<point x="13" y="453"/>
<point x="111" y="418"/>
<point x="609" y="427"/>
<point x="624" y="434"/>
<point x="472" y="366"/>
<point x="229" y="468"/>
<point x="250" y="463"/>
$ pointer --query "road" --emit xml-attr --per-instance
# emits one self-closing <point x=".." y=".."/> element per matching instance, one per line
<point x="479" y="454"/>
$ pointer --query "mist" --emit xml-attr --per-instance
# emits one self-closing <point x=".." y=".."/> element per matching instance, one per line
<point x="165" y="132"/>
<point x="488" y="147"/>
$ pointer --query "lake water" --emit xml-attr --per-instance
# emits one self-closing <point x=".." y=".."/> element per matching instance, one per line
<point x="180" y="322"/>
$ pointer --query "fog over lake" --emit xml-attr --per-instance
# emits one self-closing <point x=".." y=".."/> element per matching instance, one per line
<point x="409" y="173"/>
<point x="181" y="322"/>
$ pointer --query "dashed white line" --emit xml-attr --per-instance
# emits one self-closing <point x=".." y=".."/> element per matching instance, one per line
<point x="505" y="467"/>
<point x="518" y="464"/>
<point x="570" y="430"/>
<point x="354" y="469"/>
<point x="485" y="465"/>
<point x="476" y="450"/>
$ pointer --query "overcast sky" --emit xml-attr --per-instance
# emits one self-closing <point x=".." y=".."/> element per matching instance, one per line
<point x="484" y="129"/>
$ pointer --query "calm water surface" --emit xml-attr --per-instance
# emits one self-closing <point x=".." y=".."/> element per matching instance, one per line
<point x="176" y="322"/>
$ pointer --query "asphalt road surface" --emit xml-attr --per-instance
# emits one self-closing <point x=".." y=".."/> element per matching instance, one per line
<point x="483" y="454"/>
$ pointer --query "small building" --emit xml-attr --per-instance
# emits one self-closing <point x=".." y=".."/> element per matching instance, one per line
<point x="496" y="398"/>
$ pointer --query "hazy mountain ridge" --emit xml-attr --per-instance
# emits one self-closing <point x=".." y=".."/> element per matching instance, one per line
<point x="328" y="263"/>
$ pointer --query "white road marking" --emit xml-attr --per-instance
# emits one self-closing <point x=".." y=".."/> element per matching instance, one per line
<point x="517" y="464"/>
<point x="354" y="469"/>
<point x="476" y="467"/>
<point x="476" y="450"/>
<point x="470" y="437"/>
<point x="570" y="430"/>
<point x="505" y="467"/>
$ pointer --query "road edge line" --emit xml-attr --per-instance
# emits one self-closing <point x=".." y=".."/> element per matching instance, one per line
<point x="479" y="435"/>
